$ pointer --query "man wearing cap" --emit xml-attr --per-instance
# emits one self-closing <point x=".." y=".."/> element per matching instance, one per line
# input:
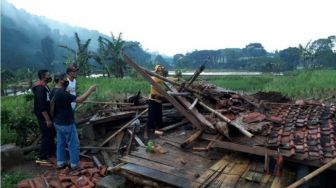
<point x="72" y="71"/>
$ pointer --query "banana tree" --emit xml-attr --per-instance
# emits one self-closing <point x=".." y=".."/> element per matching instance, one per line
<point x="102" y="57"/>
<point x="82" y="55"/>
<point x="115" y="47"/>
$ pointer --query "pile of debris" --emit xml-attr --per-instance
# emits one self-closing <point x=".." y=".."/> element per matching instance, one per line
<point x="86" y="176"/>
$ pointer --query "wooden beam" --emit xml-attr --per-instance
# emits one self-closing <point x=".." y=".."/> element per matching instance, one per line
<point x="313" y="174"/>
<point x="171" y="99"/>
<point x="173" y="125"/>
<point x="193" y="78"/>
<point x="226" y="119"/>
<point x="256" y="150"/>
<point x="122" y="128"/>
<point x="194" y="111"/>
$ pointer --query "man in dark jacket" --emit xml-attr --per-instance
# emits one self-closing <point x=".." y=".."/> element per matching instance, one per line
<point x="41" y="109"/>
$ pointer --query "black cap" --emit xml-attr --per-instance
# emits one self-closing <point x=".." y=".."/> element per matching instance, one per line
<point x="72" y="67"/>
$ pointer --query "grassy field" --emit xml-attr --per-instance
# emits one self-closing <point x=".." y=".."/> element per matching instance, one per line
<point x="308" y="84"/>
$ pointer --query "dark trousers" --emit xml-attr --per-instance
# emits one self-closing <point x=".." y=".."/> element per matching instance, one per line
<point x="47" y="147"/>
<point x="154" y="115"/>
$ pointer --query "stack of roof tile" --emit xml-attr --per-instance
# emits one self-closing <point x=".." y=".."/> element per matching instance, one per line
<point x="85" y="177"/>
<point x="307" y="132"/>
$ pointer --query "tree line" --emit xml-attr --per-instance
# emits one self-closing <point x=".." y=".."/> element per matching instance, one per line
<point x="315" y="54"/>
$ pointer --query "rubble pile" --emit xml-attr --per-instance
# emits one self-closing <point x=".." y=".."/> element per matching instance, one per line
<point x="86" y="176"/>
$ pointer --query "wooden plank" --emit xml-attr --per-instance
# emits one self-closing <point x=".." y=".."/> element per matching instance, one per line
<point x="218" y="166"/>
<point x="171" y="99"/>
<point x="225" y="181"/>
<point x="172" y="159"/>
<point x="160" y="176"/>
<point x="239" y="168"/>
<point x="160" y="167"/>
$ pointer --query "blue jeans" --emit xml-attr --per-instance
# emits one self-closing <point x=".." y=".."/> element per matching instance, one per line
<point x="67" y="135"/>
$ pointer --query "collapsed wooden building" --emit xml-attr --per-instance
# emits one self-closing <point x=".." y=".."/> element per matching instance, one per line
<point x="212" y="137"/>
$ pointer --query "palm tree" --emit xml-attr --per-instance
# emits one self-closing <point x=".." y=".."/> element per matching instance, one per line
<point x="82" y="55"/>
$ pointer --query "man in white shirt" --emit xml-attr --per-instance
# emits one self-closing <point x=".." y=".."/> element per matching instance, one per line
<point x="72" y="71"/>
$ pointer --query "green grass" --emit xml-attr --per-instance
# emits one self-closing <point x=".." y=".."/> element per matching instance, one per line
<point x="10" y="179"/>
<point x="113" y="88"/>
<point x="317" y="84"/>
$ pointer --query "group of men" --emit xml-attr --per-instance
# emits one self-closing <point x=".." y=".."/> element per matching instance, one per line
<point x="55" y="112"/>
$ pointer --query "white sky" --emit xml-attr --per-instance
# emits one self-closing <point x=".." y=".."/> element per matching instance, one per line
<point x="180" y="26"/>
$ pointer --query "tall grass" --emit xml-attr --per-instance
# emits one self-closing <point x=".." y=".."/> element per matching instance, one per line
<point x="113" y="88"/>
<point x="316" y="84"/>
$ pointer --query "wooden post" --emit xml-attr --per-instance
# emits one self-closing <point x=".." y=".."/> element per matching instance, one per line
<point x="240" y="128"/>
<point x="313" y="174"/>
<point x="171" y="99"/>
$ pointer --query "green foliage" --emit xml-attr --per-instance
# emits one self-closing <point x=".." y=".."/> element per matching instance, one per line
<point x="17" y="117"/>
<point x="11" y="179"/>
<point x="82" y="55"/>
<point x="7" y="135"/>
<point x="111" y="88"/>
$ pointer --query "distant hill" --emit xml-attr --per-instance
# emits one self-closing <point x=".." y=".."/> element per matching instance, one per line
<point x="29" y="41"/>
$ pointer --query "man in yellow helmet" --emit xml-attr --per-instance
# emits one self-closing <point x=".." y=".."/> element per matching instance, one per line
<point x="155" y="103"/>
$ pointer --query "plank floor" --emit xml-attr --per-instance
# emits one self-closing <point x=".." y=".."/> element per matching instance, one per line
<point x="186" y="168"/>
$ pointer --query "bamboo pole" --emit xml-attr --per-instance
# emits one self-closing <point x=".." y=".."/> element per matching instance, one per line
<point x="240" y="128"/>
<point x="313" y="174"/>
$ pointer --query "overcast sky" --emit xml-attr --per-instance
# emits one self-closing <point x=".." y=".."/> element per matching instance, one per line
<point x="180" y="26"/>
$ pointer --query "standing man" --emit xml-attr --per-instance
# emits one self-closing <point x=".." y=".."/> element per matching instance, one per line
<point x="72" y="71"/>
<point x="64" y="121"/>
<point x="41" y="109"/>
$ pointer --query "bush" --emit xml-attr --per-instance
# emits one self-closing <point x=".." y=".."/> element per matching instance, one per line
<point x="11" y="179"/>
<point x="18" y="121"/>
